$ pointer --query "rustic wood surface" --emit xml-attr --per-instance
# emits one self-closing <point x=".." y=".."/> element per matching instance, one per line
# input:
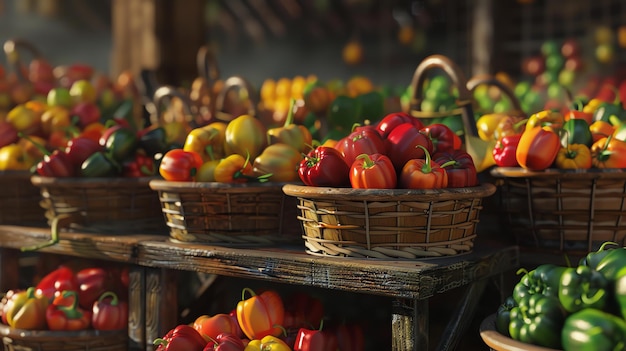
<point x="119" y="248"/>
<point x="414" y="279"/>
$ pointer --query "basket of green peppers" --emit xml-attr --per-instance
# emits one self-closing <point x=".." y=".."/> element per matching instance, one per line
<point x="580" y="307"/>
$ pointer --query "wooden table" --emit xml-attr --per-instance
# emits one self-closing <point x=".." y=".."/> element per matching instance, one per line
<point x="155" y="259"/>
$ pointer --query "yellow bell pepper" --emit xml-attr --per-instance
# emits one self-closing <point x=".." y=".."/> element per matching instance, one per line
<point x="290" y="133"/>
<point x="487" y="125"/>
<point x="13" y="157"/>
<point x="574" y="156"/>
<point x="268" y="343"/>
<point x="546" y="118"/>
<point x="207" y="141"/>
<point x="281" y="161"/>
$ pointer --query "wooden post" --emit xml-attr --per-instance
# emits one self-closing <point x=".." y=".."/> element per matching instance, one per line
<point x="159" y="35"/>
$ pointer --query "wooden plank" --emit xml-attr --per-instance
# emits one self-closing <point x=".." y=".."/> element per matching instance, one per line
<point x="120" y="248"/>
<point x="414" y="279"/>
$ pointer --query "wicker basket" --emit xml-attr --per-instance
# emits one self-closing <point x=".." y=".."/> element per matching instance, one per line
<point x="19" y="200"/>
<point x="569" y="211"/>
<point x="46" y="340"/>
<point x="230" y="214"/>
<point x="389" y="223"/>
<point x="102" y="205"/>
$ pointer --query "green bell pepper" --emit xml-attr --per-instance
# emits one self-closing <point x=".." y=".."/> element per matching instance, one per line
<point x="593" y="330"/>
<point x="593" y="258"/>
<point x="537" y="320"/>
<point x="612" y="263"/>
<point x="607" y="109"/>
<point x="100" y="164"/>
<point x="153" y="140"/>
<point x="620" y="292"/>
<point x="503" y="315"/>
<point x="583" y="287"/>
<point x="543" y="280"/>
<point x="120" y="142"/>
<point x="576" y="131"/>
<point x="344" y="112"/>
<point x="372" y="106"/>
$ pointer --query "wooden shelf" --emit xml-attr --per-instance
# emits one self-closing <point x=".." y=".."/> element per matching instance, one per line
<point x="155" y="261"/>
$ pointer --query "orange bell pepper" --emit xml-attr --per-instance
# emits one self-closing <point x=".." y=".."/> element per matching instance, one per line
<point x="260" y="315"/>
<point x="609" y="153"/>
<point x="537" y="148"/>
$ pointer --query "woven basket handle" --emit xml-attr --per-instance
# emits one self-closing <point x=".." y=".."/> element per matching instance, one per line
<point x="486" y="79"/>
<point x="12" y="48"/>
<point x="231" y="83"/>
<point x="458" y="79"/>
<point x="166" y="92"/>
<point x="207" y="65"/>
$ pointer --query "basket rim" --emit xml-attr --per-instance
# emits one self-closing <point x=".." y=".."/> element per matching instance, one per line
<point x="327" y="193"/>
<point x="174" y="185"/>
<point x="551" y="173"/>
<point x="6" y="330"/>
<point x="77" y="181"/>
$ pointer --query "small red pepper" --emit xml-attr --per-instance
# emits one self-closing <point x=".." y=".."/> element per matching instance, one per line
<point x="403" y="145"/>
<point x="423" y="174"/>
<point x="324" y="166"/>
<point x="180" y="165"/>
<point x="442" y="137"/>
<point x="504" y="151"/>
<point x="93" y="282"/>
<point x="459" y="166"/>
<point x="65" y="314"/>
<point x="56" y="164"/>
<point x="141" y="166"/>
<point x="109" y="313"/>
<point x="361" y="141"/>
<point x="78" y="149"/>
<point x="373" y="172"/>
<point x="58" y="280"/>
<point x="392" y="120"/>
<point x="315" y="340"/>
<point x="181" y="338"/>
<point x="225" y="342"/>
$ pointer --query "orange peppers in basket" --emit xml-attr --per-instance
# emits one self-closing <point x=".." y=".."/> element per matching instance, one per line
<point x="260" y="315"/>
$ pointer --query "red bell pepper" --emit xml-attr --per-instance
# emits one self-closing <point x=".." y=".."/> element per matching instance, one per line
<point x="392" y="120"/>
<point x="361" y="141"/>
<point x="261" y="315"/>
<point x="324" y="166"/>
<point x="459" y="167"/>
<point x="53" y="283"/>
<point x="181" y="338"/>
<point x="373" y="172"/>
<point x="504" y="151"/>
<point x="423" y="174"/>
<point x="56" y="164"/>
<point x="225" y="342"/>
<point x="79" y="149"/>
<point x="109" y="313"/>
<point x="403" y="145"/>
<point x="442" y="137"/>
<point x="95" y="281"/>
<point x="315" y="340"/>
<point x="180" y="165"/>
<point x="212" y="326"/>
<point x="65" y="314"/>
<point x="8" y="133"/>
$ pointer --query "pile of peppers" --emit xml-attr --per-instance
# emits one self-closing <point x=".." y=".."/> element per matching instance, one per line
<point x="265" y="321"/>
<point x="70" y="299"/>
<point x="581" y="307"/>
<point x="396" y="152"/>
<point x="589" y="133"/>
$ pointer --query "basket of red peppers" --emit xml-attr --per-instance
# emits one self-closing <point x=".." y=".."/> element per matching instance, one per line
<point x="561" y="175"/>
<point x="70" y="308"/>
<point x="403" y="187"/>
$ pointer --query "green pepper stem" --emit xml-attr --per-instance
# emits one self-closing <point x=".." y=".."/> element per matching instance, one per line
<point x="112" y="295"/>
<point x="426" y="168"/>
<point x="243" y="293"/>
<point x="290" y="113"/>
<point x="367" y="161"/>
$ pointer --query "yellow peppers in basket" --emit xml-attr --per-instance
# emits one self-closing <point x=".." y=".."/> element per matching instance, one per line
<point x="207" y="141"/>
<point x="13" y="157"/>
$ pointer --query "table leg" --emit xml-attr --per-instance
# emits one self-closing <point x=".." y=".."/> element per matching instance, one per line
<point x="460" y="320"/>
<point x="409" y="322"/>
